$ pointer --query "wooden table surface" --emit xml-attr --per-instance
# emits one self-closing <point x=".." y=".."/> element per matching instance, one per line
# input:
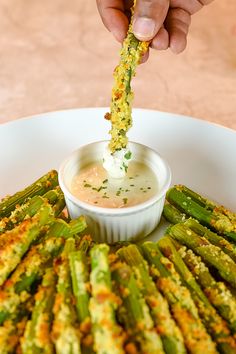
<point x="56" y="54"/>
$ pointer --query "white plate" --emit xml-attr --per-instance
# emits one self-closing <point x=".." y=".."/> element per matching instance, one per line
<point x="201" y="155"/>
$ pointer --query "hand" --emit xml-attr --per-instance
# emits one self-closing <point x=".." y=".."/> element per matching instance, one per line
<point x="164" y="22"/>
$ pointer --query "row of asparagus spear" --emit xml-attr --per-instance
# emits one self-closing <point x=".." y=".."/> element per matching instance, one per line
<point x="62" y="293"/>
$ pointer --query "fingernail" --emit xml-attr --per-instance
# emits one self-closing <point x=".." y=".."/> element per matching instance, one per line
<point x="144" y="28"/>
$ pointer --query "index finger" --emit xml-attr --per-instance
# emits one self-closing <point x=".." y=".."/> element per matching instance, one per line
<point x="113" y="16"/>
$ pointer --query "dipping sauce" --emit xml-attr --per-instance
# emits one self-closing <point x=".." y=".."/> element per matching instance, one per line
<point x="92" y="185"/>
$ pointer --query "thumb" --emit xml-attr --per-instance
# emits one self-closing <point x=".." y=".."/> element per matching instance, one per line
<point x="149" y="16"/>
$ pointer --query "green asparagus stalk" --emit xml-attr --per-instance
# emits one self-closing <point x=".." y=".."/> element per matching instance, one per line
<point x="36" y="338"/>
<point x="171" y="336"/>
<point x="60" y="228"/>
<point x="212" y="237"/>
<point x="29" y="272"/>
<point x="79" y="269"/>
<point x="172" y="214"/>
<point x="217" y="292"/>
<point x="216" y="326"/>
<point x="210" y="253"/>
<point x="15" y="243"/>
<point x="80" y="280"/>
<point x="39" y="187"/>
<point x="180" y="301"/>
<point x="108" y="336"/>
<point x="120" y="116"/>
<point x="206" y="212"/>
<point x="10" y="335"/>
<point x="175" y="216"/>
<point x="30" y="208"/>
<point x="65" y="332"/>
<point x="139" y="322"/>
<point x="22" y="282"/>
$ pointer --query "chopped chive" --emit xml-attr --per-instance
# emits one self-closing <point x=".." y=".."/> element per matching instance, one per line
<point x="131" y="185"/>
<point x="105" y="197"/>
<point x="87" y="185"/>
<point x="127" y="190"/>
<point x="125" y="200"/>
<point x="105" y="181"/>
<point x="118" y="193"/>
<point x="128" y="155"/>
<point x="149" y="187"/>
<point x="131" y="177"/>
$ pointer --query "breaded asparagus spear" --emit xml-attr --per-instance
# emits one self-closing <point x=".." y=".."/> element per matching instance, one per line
<point x="18" y="288"/>
<point x="212" y="237"/>
<point x="210" y="253"/>
<point x="15" y="243"/>
<point x="180" y="301"/>
<point x="108" y="336"/>
<point x="30" y="208"/>
<point x="10" y="335"/>
<point x="80" y="279"/>
<point x="79" y="269"/>
<point x="39" y="187"/>
<point x="171" y="336"/>
<point x="65" y="332"/>
<point x="217" y="292"/>
<point x="174" y="216"/>
<point x="122" y="95"/>
<point x="205" y="211"/>
<point x="139" y="323"/>
<point x="216" y="326"/>
<point x="36" y="338"/>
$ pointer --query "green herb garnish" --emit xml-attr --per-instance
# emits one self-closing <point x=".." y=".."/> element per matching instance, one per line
<point x="128" y="155"/>
<point x="125" y="200"/>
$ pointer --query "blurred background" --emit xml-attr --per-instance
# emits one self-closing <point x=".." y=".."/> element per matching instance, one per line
<point x="56" y="54"/>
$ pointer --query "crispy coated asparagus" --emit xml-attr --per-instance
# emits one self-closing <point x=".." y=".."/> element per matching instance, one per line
<point x="79" y="269"/>
<point x="39" y="187"/>
<point x="171" y="336"/>
<point x="172" y="214"/>
<point x="217" y="292"/>
<point x="30" y="208"/>
<point x="80" y="280"/>
<point x="122" y="95"/>
<point x="216" y="326"/>
<point x="210" y="253"/>
<point x="139" y="322"/>
<point x="212" y="237"/>
<point x="14" y="243"/>
<point x="17" y="289"/>
<point x="178" y="296"/>
<point x="36" y="339"/>
<point x="175" y="216"/>
<point x="65" y="332"/>
<point x="10" y="335"/>
<point x="208" y="213"/>
<point x="108" y="336"/>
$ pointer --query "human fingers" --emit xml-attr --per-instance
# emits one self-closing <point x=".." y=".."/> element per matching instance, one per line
<point x="113" y="16"/>
<point x="161" y="40"/>
<point x="191" y="6"/>
<point x="149" y="16"/>
<point x="144" y="57"/>
<point x="177" y="24"/>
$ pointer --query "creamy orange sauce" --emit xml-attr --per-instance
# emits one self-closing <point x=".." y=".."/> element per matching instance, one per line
<point x="92" y="185"/>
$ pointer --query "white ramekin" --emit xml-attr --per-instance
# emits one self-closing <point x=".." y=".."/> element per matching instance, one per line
<point x="109" y="224"/>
